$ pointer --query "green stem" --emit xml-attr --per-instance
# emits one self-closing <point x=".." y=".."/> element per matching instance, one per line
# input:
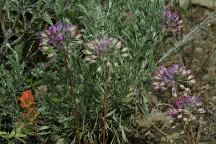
<point x="74" y="107"/>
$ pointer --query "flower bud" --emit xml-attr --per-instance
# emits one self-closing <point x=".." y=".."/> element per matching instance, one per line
<point x="44" y="35"/>
<point x="188" y="72"/>
<point x="179" y="116"/>
<point x="99" y="70"/>
<point x="187" y="90"/>
<point x="87" y="52"/>
<point x="93" y="61"/>
<point x="124" y="49"/>
<point x="193" y="81"/>
<point x="87" y="59"/>
<point x="184" y="72"/>
<point x="201" y="110"/>
<point x="94" y="57"/>
<point x="50" y="55"/>
<point x="108" y="63"/>
<point x="155" y="84"/>
<point x="190" y="77"/>
<point x="125" y="55"/>
<point x="116" y="64"/>
<point x="91" y="46"/>
<point x="185" y="119"/>
<point x="174" y="93"/>
<point x="118" y="45"/>
<point x="182" y="87"/>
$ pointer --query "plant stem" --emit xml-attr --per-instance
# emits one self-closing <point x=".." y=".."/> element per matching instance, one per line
<point x="95" y="124"/>
<point x="106" y="81"/>
<point x="74" y="108"/>
<point x="190" y="7"/>
<point x="191" y="135"/>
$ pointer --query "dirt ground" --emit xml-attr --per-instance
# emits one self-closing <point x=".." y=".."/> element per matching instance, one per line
<point x="200" y="56"/>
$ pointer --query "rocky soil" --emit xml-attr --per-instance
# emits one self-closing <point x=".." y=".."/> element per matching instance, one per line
<point x="200" y="56"/>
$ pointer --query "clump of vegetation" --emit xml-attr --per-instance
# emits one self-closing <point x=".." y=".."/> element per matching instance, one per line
<point x="80" y="72"/>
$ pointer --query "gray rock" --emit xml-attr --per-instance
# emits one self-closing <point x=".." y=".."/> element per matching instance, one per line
<point x="206" y="3"/>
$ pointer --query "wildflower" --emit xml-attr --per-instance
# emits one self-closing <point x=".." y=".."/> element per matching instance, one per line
<point x="56" y="36"/>
<point x="27" y="103"/>
<point x="172" y="112"/>
<point x="171" y="21"/>
<point x="174" y="77"/>
<point x="186" y="108"/>
<point x="183" y="101"/>
<point x="105" y="49"/>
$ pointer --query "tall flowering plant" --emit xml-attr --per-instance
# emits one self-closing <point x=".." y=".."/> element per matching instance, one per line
<point x="105" y="51"/>
<point x="61" y="41"/>
<point x="186" y="112"/>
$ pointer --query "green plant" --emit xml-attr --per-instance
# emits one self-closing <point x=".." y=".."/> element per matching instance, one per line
<point x="97" y="101"/>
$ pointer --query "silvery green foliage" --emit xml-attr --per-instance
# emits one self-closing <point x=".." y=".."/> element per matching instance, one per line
<point x="133" y="24"/>
<point x="12" y="79"/>
<point x="128" y="24"/>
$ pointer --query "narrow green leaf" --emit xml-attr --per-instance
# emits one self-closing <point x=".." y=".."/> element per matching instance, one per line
<point x="47" y="18"/>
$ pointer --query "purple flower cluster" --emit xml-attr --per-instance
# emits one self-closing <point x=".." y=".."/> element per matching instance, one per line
<point x="174" y="77"/>
<point x="57" y="37"/>
<point x="186" y="107"/>
<point x="171" y="21"/>
<point x="104" y="48"/>
<point x="187" y="101"/>
<point x="66" y="36"/>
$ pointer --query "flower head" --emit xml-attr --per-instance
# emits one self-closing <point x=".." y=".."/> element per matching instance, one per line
<point x="27" y="101"/>
<point x="186" y="108"/>
<point x="105" y="49"/>
<point x="171" y="21"/>
<point x="55" y="37"/>
<point x="185" y="101"/>
<point x="174" y="77"/>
